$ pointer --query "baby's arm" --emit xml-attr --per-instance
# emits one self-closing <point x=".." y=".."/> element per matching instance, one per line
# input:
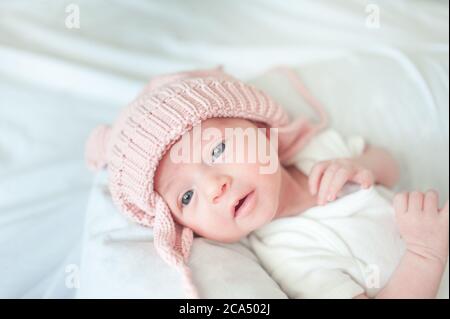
<point x="381" y="163"/>
<point x="425" y="230"/>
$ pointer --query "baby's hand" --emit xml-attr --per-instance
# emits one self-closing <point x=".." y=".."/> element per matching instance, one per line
<point x="422" y="225"/>
<point x="328" y="177"/>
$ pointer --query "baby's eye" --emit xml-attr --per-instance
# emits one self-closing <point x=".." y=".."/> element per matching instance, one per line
<point x="186" y="199"/>
<point x="218" y="150"/>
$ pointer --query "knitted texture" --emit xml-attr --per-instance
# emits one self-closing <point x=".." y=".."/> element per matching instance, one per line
<point x="145" y="130"/>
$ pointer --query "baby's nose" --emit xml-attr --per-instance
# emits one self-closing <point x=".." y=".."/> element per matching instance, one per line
<point x="218" y="188"/>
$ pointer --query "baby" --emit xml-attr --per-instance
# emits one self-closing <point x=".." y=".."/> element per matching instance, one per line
<point x="207" y="196"/>
<point x="239" y="171"/>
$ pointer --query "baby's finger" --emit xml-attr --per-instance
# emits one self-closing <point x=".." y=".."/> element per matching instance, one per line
<point x="365" y="178"/>
<point x="325" y="183"/>
<point x="401" y="203"/>
<point x="340" y="178"/>
<point x="431" y="201"/>
<point x="415" y="201"/>
<point x="315" y="176"/>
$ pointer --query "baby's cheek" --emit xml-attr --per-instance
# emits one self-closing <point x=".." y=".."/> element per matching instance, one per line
<point x="179" y="220"/>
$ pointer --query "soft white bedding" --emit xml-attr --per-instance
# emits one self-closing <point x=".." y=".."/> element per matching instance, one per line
<point x="388" y="84"/>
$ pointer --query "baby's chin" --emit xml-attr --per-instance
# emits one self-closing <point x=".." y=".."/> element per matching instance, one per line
<point x="225" y="238"/>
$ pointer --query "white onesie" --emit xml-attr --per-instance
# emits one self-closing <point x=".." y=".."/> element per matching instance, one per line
<point x="345" y="248"/>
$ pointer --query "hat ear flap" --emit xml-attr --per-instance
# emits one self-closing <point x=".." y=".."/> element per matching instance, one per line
<point x="173" y="243"/>
<point x="172" y="240"/>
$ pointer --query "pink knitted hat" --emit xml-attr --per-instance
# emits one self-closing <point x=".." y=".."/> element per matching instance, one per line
<point x="145" y="130"/>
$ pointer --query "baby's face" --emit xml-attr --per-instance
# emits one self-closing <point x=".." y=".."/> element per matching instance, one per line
<point x="202" y="194"/>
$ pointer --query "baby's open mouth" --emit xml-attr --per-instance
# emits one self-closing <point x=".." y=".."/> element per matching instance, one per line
<point x="242" y="204"/>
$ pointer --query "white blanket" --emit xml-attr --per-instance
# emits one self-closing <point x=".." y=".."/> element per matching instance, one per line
<point x="57" y="83"/>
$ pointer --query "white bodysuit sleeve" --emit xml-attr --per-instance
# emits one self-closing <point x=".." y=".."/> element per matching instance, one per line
<point x="327" y="145"/>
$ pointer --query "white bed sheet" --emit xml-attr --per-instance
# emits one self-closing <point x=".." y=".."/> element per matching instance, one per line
<point x="56" y="84"/>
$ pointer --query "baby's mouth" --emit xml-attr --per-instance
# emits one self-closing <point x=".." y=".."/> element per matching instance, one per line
<point x="236" y="208"/>
<point x="240" y="203"/>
